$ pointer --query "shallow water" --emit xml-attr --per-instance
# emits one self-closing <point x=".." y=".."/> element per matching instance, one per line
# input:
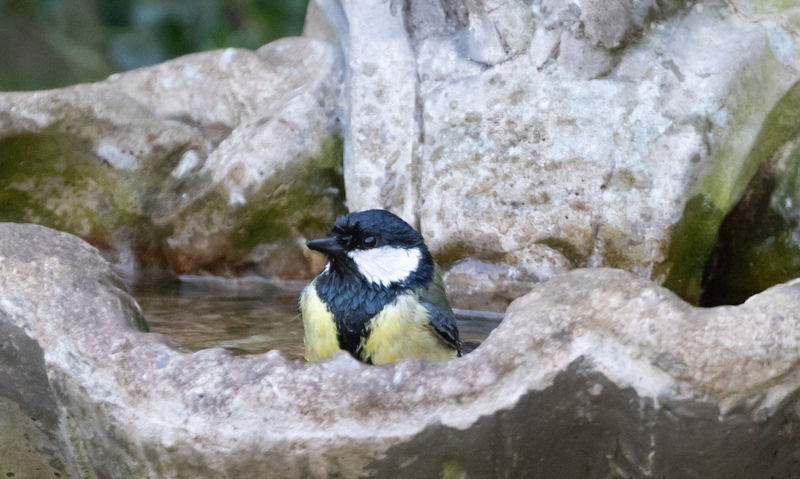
<point x="248" y="316"/>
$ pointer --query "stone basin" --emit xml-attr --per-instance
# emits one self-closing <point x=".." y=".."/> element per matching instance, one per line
<point x="595" y="373"/>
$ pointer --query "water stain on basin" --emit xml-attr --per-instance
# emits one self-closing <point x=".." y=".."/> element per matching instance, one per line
<point x="248" y="316"/>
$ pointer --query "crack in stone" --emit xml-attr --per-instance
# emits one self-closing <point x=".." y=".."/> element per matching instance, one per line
<point x="419" y="121"/>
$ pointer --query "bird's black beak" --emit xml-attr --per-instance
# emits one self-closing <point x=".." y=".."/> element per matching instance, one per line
<point x="329" y="245"/>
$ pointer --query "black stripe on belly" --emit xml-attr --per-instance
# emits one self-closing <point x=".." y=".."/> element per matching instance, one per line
<point x="353" y="304"/>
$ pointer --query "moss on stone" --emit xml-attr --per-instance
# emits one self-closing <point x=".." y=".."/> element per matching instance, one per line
<point x="456" y="250"/>
<point x="302" y="199"/>
<point x="694" y="235"/>
<point x="693" y="239"/>
<point x="779" y="127"/>
<point x="614" y="247"/>
<point x="733" y="166"/>
<point x="567" y="250"/>
<point x="758" y="244"/>
<point x="453" y="470"/>
<point x="53" y="179"/>
<point x="772" y="261"/>
<point x="773" y="6"/>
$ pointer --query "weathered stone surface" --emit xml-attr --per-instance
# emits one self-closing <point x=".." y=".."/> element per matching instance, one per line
<point x="579" y="134"/>
<point x="585" y="38"/>
<point x="221" y="87"/>
<point x="594" y="373"/>
<point x="201" y="164"/>
<point x="316" y="25"/>
<point x="275" y="179"/>
<point x="534" y="137"/>
<point x="380" y="130"/>
<point x="482" y="286"/>
<point x="32" y="443"/>
<point x="91" y="161"/>
<point x="760" y="9"/>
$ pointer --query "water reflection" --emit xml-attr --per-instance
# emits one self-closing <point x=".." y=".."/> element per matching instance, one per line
<point x="247" y="316"/>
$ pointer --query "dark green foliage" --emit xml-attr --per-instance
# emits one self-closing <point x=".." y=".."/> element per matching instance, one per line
<point x="54" y="43"/>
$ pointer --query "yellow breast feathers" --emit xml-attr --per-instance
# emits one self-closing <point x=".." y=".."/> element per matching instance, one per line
<point x="320" y="330"/>
<point x="402" y="330"/>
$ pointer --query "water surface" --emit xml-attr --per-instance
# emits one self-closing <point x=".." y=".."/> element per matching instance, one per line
<point x="247" y="316"/>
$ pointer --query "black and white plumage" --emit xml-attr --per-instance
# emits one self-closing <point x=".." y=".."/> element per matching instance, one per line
<point x="380" y="296"/>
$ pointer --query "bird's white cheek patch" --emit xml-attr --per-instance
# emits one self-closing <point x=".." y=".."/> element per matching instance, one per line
<point x="386" y="265"/>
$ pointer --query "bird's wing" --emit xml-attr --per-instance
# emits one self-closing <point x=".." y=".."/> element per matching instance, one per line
<point x="434" y="292"/>
<point x="440" y="315"/>
<point x="444" y="324"/>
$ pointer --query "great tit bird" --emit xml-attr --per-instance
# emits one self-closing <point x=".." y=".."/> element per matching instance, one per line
<point x="380" y="297"/>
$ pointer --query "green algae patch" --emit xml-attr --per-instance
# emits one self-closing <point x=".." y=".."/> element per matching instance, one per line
<point x="759" y="241"/>
<point x="54" y="180"/>
<point x="781" y="125"/>
<point x="772" y="6"/>
<point x="761" y="264"/>
<point x="453" y="470"/>
<point x="300" y="200"/>
<point x="732" y="168"/>
<point x="693" y="238"/>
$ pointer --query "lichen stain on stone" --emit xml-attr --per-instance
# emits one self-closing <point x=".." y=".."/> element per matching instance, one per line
<point x="616" y="248"/>
<point x="576" y="258"/>
<point x="626" y="180"/>
<point x="453" y="470"/>
<point x="772" y="6"/>
<point x="456" y="250"/>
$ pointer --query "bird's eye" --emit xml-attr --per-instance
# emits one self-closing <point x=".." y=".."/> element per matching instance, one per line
<point x="369" y="241"/>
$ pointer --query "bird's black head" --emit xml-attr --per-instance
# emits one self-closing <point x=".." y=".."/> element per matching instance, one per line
<point x="376" y="247"/>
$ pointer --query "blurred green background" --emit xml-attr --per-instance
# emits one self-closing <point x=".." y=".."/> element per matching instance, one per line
<point x="54" y="43"/>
